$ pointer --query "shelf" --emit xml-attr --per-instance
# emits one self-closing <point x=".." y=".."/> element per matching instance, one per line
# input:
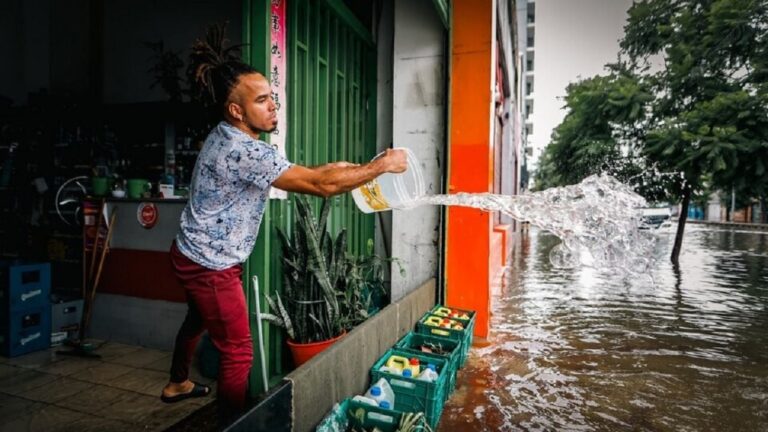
<point x="69" y="236"/>
<point x="66" y="261"/>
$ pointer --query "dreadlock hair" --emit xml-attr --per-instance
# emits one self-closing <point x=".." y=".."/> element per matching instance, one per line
<point x="215" y="69"/>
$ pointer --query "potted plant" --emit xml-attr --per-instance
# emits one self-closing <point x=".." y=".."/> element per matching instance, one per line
<point x="325" y="291"/>
<point x="361" y="287"/>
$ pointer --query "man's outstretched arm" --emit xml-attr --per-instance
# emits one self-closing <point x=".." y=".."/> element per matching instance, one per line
<point x="339" y="177"/>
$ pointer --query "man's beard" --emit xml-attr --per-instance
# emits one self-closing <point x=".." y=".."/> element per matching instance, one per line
<point x="256" y="130"/>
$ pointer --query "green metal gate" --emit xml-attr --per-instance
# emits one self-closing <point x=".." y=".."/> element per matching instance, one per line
<point x="331" y="117"/>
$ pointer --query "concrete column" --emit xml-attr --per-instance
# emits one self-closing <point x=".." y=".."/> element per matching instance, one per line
<point x="418" y="123"/>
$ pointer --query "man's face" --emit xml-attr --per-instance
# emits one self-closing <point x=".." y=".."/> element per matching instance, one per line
<point x="254" y="96"/>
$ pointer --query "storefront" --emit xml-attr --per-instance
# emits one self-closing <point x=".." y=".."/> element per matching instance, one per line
<point x="96" y="92"/>
<point x="94" y="100"/>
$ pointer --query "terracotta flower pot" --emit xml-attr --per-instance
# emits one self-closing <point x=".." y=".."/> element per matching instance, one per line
<point x="302" y="352"/>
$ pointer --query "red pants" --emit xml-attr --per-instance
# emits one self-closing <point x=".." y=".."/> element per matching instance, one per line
<point x="216" y="303"/>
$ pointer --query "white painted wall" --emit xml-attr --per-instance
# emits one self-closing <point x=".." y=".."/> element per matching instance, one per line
<point x="573" y="40"/>
<point x="714" y="209"/>
<point x="419" y="99"/>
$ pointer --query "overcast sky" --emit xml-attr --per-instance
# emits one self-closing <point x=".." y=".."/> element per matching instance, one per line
<point x="574" y="39"/>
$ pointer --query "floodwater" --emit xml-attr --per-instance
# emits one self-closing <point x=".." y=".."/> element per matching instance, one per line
<point x="580" y="350"/>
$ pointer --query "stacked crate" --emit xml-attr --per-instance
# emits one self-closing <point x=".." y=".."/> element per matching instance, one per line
<point x="445" y="347"/>
<point x="461" y="326"/>
<point x="414" y="395"/>
<point x="25" y="310"/>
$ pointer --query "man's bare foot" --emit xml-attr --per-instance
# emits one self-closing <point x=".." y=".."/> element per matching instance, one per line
<point x="177" y="392"/>
<point x="174" y="389"/>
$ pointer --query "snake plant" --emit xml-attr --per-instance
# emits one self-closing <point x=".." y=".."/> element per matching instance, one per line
<point x="325" y="290"/>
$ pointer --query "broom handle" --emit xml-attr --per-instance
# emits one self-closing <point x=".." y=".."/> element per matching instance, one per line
<point x="104" y="251"/>
<point x="96" y="239"/>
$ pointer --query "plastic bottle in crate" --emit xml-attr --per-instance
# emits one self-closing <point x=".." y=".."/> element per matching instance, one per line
<point x="450" y="313"/>
<point x="365" y="400"/>
<point x="381" y="391"/>
<point x="429" y="374"/>
<point x="398" y="364"/>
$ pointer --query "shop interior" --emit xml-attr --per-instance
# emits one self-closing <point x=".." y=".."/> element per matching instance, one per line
<point x="95" y="118"/>
<point x="95" y="91"/>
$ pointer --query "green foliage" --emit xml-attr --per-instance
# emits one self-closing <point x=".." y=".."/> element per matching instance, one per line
<point x="325" y="290"/>
<point x="602" y="133"/>
<point x="710" y="115"/>
<point x="705" y="125"/>
<point x="698" y="123"/>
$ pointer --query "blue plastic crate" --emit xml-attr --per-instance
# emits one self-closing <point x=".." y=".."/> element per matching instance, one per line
<point x="25" y="331"/>
<point x="24" y="285"/>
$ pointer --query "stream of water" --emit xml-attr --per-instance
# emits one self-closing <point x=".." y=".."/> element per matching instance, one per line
<point x="598" y="221"/>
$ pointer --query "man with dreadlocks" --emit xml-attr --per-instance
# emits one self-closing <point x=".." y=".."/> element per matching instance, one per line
<point x="229" y="189"/>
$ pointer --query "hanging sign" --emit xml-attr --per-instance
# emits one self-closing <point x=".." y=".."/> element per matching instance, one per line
<point x="147" y="214"/>
<point x="277" y="80"/>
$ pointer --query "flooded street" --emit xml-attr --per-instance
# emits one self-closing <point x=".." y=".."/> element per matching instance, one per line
<point x="580" y="350"/>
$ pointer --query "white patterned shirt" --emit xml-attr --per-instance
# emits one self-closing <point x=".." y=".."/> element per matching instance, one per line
<point x="228" y="194"/>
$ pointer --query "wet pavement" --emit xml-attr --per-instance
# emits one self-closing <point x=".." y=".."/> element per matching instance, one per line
<point x="583" y="350"/>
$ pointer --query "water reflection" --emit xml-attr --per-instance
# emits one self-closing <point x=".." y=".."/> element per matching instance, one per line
<point x="580" y="349"/>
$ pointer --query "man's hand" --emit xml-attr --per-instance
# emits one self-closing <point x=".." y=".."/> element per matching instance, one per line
<point x="396" y="161"/>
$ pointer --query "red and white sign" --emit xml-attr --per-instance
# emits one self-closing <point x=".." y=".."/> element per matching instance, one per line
<point x="277" y="79"/>
<point x="147" y="214"/>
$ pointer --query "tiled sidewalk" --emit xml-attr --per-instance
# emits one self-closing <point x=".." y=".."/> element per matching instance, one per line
<point x="45" y="391"/>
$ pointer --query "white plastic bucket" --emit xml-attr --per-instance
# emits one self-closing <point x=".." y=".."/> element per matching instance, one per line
<point x="392" y="191"/>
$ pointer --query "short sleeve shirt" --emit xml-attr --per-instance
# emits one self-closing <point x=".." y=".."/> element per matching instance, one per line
<point x="228" y="194"/>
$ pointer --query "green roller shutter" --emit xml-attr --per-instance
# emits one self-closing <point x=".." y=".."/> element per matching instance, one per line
<point x="331" y="116"/>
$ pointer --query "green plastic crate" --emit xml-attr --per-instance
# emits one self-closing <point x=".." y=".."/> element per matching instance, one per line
<point x="464" y="335"/>
<point x="413" y="395"/>
<point x="412" y="342"/>
<point x="364" y="417"/>
<point x="469" y="322"/>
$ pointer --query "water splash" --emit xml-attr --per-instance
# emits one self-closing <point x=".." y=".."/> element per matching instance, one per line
<point x="598" y="221"/>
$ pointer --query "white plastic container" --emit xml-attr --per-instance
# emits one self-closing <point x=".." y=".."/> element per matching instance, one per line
<point x="429" y="374"/>
<point x="381" y="391"/>
<point x="365" y="400"/>
<point x="392" y="191"/>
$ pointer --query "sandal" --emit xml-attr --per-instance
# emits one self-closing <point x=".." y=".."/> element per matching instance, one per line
<point x="198" y="390"/>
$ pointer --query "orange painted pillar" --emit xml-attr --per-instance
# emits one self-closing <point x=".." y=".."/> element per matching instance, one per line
<point x="468" y="257"/>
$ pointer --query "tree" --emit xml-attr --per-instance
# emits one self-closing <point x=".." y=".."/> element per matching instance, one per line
<point x="603" y="132"/>
<point x="584" y="143"/>
<point x="710" y="113"/>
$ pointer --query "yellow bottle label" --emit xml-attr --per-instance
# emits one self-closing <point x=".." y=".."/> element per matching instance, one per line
<point x="371" y="191"/>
